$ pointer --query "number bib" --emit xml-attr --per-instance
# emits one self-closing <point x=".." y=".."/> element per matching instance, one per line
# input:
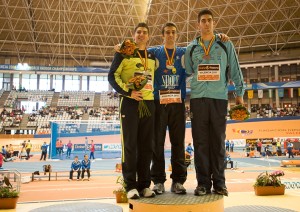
<point x="208" y="72"/>
<point x="148" y="86"/>
<point x="169" y="96"/>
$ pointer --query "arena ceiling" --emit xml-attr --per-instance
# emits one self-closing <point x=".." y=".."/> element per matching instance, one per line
<point x="83" y="32"/>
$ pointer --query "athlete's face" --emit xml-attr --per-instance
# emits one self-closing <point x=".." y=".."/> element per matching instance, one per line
<point x="206" y="24"/>
<point x="170" y="35"/>
<point x="141" y="35"/>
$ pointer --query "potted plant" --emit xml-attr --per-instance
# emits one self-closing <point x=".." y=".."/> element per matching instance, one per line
<point x="8" y="195"/>
<point x="269" y="184"/>
<point x="121" y="194"/>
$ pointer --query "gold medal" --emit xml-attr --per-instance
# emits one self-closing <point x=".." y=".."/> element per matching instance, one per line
<point x="144" y="62"/>
<point x="170" y="60"/>
<point x="174" y="70"/>
<point x="206" y="50"/>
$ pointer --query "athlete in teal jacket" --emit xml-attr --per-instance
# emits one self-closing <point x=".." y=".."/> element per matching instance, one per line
<point x="206" y="59"/>
<point x="214" y="89"/>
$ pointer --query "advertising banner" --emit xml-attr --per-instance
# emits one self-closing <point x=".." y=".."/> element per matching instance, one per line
<point x="263" y="129"/>
<point x="112" y="147"/>
<point x="80" y="147"/>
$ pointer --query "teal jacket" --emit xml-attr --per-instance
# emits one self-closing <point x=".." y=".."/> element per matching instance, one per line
<point x="214" y="89"/>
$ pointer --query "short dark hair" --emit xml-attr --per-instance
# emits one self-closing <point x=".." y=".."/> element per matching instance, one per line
<point x="204" y="12"/>
<point x="168" y="24"/>
<point x="141" y="24"/>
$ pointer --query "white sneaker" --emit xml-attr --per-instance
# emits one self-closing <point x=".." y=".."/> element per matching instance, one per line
<point x="147" y="192"/>
<point x="133" y="194"/>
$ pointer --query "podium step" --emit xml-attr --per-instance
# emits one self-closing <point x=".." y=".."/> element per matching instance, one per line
<point x="178" y="203"/>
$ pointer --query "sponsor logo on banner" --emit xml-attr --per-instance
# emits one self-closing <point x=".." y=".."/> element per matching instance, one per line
<point x="242" y="132"/>
<point x="112" y="147"/>
<point x="81" y="147"/>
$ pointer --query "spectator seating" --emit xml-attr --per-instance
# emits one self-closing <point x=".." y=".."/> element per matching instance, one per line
<point x="11" y="118"/>
<point x="1" y="92"/>
<point x="109" y="99"/>
<point x="76" y="98"/>
<point x="30" y="95"/>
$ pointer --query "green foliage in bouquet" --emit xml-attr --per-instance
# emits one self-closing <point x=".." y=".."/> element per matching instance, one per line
<point x="239" y="113"/>
<point x="137" y="83"/>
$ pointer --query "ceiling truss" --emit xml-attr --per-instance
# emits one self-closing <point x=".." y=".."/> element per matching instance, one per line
<point x="82" y="31"/>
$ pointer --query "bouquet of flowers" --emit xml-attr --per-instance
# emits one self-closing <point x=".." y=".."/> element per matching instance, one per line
<point x="239" y="113"/>
<point x="266" y="179"/>
<point x="137" y="83"/>
<point x="128" y="48"/>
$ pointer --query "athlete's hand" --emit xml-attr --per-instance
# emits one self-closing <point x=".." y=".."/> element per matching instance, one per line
<point x="117" y="47"/>
<point x="239" y="100"/>
<point x="137" y="95"/>
<point x="223" y="37"/>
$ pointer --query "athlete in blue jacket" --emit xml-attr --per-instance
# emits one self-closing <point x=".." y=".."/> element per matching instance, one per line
<point x="86" y="165"/>
<point x="169" y="98"/>
<point x="75" y="167"/>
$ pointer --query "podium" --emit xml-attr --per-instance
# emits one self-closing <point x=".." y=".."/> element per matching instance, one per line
<point x="178" y="203"/>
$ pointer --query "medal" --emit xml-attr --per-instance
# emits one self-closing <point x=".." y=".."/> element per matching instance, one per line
<point x="148" y="72"/>
<point x="169" y="67"/>
<point x="174" y="70"/>
<point x="144" y="62"/>
<point x="206" y="57"/>
<point x="206" y="50"/>
<point x="170" y="61"/>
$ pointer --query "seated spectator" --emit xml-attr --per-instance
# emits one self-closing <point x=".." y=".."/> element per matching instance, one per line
<point x="7" y="155"/>
<point x="86" y="165"/>
<point x="11" y="150"/>
<point x="75" y="167"/>
<point x="267" y="150"/>
<point x="3" y="152"/>
<point x="1" y="161"/>
<point x="227" y="160"/>
<point x="188" y="159"/>
<point x="189" y="149"/>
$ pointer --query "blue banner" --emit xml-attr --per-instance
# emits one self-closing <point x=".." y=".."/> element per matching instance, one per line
<point x="281" y="92"/>
<point x="54" y="68"/>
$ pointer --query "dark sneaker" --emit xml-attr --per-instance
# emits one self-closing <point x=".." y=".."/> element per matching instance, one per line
<point x="158" y="188"/>
<point x="222" y="191"/>
<point x="201" y="191"/>
<point x="178" y="188"/>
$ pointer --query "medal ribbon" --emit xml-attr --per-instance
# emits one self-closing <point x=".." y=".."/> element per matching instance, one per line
<point x="206" y="50"/>
<point x="144" y="62"/>
<point x="168" y="57"/>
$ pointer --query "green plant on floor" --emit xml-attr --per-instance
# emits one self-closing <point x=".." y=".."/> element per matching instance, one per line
<point x="120" y="181"/>
<point x="6" y="189"/>
<point x="121" y="194"/>
<point x="272" y="179"/>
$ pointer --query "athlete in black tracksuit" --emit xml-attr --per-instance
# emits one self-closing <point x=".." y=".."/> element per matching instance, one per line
<point x="136" y="132"/>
